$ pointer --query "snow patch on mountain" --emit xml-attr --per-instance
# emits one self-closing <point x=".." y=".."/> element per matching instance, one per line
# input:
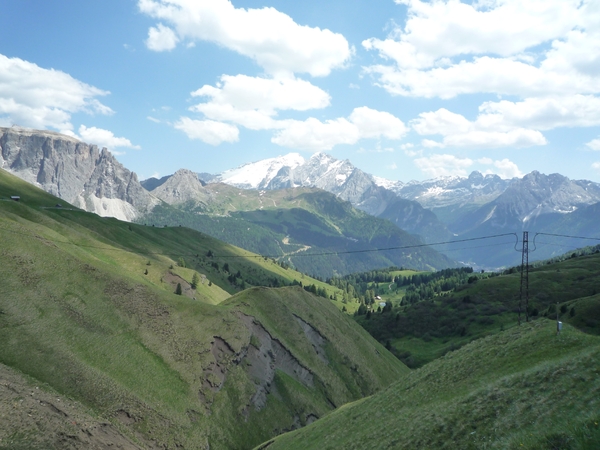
<point x="259" y="174"/>
<point x="393" y="186"/>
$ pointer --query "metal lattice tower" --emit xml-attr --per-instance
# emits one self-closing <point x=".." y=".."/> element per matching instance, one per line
<point x="524" y="277"/>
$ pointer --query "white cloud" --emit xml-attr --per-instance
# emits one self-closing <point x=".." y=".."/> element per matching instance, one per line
<point x="271" y="38"/>
<point x="543" y="113"/>
<point x="457" y="131"/>
<point x="494" y="139"/>
<point x="504" y="168"/>
<point x="510" y="47"/>
<point x="507" y="169"/>
<point x="161" y="38"/>
<point x="594" y="144"/>
<point x="104" y="138"/>
<point x="443" y="165"/>
<point x="253" y="102"/>
<point x="153" y="119"/>
<point x="596" y="165"/>
<point x="314" y="135"/>
<point x="374" y="124"/>
<point x="428" y="143"/>
<point x="209" y="131"/>
<point x="35" y="97"/>
<point x="442" y="29"/>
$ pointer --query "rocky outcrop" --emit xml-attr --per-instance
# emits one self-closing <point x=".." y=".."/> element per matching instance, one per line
<point x="183" y="186"/>
<point x="79" y="173"/>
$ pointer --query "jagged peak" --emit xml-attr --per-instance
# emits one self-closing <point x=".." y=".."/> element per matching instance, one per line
<point x="185" y="173"/>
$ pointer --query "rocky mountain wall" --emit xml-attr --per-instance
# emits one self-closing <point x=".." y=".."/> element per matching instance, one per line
<point x="79" y="173"/>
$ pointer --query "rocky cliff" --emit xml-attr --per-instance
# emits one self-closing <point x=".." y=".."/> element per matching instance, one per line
<point x="183" y="187"/>
<point x="79" y="173"/>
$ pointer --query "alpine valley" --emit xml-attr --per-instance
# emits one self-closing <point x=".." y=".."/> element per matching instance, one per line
<point x="289" y="303"/>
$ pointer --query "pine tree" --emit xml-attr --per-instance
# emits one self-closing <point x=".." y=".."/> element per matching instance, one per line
<point x="195" y="280"/>
<point x="178" y="290"/>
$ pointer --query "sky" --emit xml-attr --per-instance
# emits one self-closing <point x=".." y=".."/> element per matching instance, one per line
<point x="405" y="89"/>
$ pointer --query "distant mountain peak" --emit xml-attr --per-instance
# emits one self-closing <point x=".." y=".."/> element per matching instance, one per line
<point x="258" y="175"/>
<point x="183" y="186"/>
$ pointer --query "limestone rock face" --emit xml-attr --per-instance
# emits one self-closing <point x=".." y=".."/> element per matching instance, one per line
<point x="79" y="173"/>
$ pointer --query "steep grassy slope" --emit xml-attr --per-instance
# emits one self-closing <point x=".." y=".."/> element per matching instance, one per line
<point x="293" y="223"/>
<point x="523" y="388"/>
<point x="89" y="316"/>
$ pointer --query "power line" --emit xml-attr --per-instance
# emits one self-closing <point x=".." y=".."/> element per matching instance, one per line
<point x="403" y="247"/>
<point x="566" y="236"/>
<point x="346" y="252"/>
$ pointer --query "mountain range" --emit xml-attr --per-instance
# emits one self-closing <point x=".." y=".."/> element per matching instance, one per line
<point x="438" y="210"/>
<point x="446" y="208"/>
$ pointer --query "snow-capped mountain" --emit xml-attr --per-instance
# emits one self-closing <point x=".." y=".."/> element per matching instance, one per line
<point x="258" y="175"/>
<point x="347" y="182"/>
<point x="320" y="170"/>
<point x="453" y="190"/>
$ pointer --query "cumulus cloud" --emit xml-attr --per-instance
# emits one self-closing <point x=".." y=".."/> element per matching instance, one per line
<point x="543" y="113"/>
<point x="594" y="144"/>
<point x="161" y="38"/>
<point x="504" y="168"/>
<point x="104" y="138"/>
<point x="448" y="48"/>
<point x="253" y="102"/>
<point x="458" y="131"/>
<point x="546" y="53"/>
<point x="374" y="124"/>
<point x="269" y="37"/>
<point x="314" y="135"/>
<point x="35" y="97"/>
<point x="443" y="165"/>
<point x="208" y="131"/>
<point x="596" y="165"/>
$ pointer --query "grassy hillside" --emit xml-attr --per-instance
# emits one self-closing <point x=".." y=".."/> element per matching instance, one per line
<point x="444" y="315"/>
<point x="299" y="225"/>
<point x="96" y="343"/>
<point x="523" y="388"/>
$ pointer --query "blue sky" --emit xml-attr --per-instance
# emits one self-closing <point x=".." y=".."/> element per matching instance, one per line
<point x="405" y="89"/>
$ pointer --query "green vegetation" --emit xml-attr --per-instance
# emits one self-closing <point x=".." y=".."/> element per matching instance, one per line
<point x="427" y="315"/>
<point x="526" y="387"/>
<point x="308" y="229"/>
<point x="89" y="315"/>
